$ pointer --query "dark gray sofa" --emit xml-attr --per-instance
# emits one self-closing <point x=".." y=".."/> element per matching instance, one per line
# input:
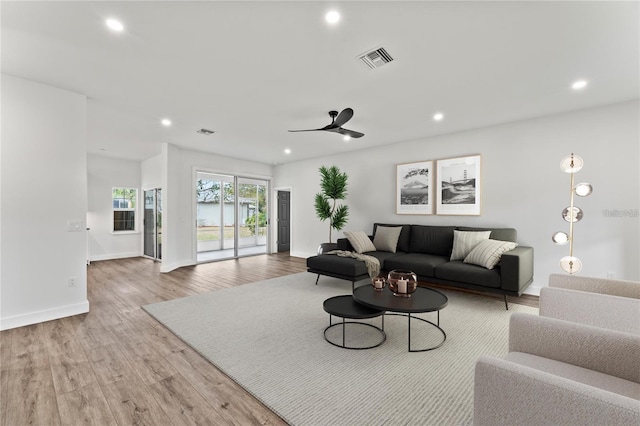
<point x="426" y="250"/>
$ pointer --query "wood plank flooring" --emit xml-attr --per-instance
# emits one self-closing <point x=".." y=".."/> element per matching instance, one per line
<point x="117" y="366"/>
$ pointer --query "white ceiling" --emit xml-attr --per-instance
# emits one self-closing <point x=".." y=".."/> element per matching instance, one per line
<point x="252" y="70"/>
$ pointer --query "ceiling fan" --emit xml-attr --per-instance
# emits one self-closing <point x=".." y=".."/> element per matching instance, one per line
<point x="337" y="120"/>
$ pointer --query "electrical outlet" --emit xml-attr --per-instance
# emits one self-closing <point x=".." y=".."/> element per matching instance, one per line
<point x="611" y="275"/>
<point x="71" y="282"/>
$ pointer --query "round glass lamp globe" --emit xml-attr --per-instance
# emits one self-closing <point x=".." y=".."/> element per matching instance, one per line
<point x="571" y="163"/>
<point x="560" y="238"/>
<point x="583" y="189"/>
<point x="574" y="216"/>
<point x="571" y="264"/>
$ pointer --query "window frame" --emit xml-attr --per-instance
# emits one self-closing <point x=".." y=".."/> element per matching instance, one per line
<point x="133" y="209"/>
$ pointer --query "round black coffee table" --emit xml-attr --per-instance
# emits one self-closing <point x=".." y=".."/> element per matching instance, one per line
<point x="423" y="300"/>
<point x="346" y="307"/>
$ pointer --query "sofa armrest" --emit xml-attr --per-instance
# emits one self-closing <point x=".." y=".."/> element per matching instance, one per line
<point x="630" y="289"/>
<point x="599" y="310"/>
<point x="607" y="351"/>
<point x="516" y="269"/>
<point x="506" y="393"/>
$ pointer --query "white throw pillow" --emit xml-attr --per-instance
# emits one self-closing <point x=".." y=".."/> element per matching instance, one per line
<point x="465" y="241"/>
<point x="386" y="238"/>
<point x="360" y="241"/>
<point x="488" y="253"/>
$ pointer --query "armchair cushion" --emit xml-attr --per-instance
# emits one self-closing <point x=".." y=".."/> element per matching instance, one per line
<point x="621" y="288"/>
<point x="597" y="309"/>
<point x="607" y="351"/>
<point x="508" y="393"/>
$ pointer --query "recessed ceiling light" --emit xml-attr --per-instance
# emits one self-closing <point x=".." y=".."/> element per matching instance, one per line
<point x="347" y="138"/>
<point x="166" y="122"/>
<point x="579" y="84"/>
<point x="332" y="17"/>
<point x="115" y="25"/>
<point x="287" y="151"/>
<point x="438" y="116"/>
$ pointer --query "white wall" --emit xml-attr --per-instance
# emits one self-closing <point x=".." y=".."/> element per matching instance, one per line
<point x="178" y="201"/>
<point x="44" y="186"/>
<point x="152" y="173"/>
<point x="523" y="187"/>
<point x="104" y="174"/>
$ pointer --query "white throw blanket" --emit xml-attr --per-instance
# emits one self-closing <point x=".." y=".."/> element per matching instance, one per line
<point x="372" y="263"/>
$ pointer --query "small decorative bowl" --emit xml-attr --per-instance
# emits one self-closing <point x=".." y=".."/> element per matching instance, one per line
<point x="402" y="283"/>
<point x="379" y="282"/>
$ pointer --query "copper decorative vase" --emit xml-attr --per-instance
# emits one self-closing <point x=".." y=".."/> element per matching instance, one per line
<point x="402" y="283"/>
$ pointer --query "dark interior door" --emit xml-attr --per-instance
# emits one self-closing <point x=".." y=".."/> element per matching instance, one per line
<point x="284" y="200"/>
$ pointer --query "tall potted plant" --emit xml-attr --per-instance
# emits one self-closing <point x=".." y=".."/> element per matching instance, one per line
<point x="334" y="188"/>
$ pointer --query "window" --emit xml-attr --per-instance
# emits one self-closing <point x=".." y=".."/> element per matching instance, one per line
<point x="124" y="209"/>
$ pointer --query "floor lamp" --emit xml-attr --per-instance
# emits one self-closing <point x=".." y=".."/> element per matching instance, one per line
<point x="571" y="164"/>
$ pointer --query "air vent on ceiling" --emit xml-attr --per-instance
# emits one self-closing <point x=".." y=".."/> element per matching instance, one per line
<point x="376" y="58"/>
<point x="205" y="132"/>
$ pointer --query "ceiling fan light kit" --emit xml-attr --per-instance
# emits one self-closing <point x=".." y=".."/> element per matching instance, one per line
<point x="337" y="120"/>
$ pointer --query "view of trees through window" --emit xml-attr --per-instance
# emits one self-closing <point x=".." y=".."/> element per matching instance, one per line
<point x="252" y="201"/>
<point x="124" y="202"/>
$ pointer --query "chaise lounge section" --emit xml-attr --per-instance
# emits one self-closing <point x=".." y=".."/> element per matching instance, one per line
<point x="428" y="251"/>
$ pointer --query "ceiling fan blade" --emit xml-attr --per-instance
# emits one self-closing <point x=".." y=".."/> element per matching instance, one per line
<point x="351" y="133"/>
<point x="342" y="118"/>
<point x="309" y="130"/>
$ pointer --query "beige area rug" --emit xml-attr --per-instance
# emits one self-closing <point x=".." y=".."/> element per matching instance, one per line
<point x="268" y="337"/>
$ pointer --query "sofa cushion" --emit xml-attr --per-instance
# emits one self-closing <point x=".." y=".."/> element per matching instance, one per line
<point x="436" y="240"/>
<point x="331" y="263"/>
<point x="403" y="240"/>
<point x="577" y="374"/>
<point x="422" y="264"/>
<point x="386" y="238"/>
<point x="489" y="252"/>
<point x="459" y="272"/>
<point x="347" y="266"/>
<point x="465" y="241"/>
<point x="360" y="241"/>
<point x="502" y="234"/>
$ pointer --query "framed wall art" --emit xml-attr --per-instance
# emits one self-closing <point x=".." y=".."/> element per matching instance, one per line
<point x="458" y="186"/>
<point x="414" y="188"/>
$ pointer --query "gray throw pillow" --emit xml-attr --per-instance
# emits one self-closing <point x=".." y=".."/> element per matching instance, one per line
<point x="465" y="241"/>
<point x="360" y="241"/>
<point x="386" y="238"/>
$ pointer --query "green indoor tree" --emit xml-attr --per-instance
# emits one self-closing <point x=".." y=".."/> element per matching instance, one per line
<point x="334" y="188"/>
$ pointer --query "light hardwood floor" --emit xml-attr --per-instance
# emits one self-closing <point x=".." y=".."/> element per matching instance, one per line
<point x="117" y="365"/>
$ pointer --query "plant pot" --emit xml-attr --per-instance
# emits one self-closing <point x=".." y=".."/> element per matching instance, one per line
<point x="325" y="247"/>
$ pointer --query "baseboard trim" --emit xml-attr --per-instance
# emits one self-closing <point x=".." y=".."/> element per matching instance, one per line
<point x="113" y="256"/>
<point x="301" y="254"/>
<point x="42" y="316"/>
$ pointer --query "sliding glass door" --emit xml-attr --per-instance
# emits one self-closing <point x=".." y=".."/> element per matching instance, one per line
<point x="153" y="223"/>
<point x="231" y="216"/>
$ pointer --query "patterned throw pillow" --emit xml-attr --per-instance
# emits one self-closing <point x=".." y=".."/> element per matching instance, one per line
<point x="386" y="238"/>
<point x="360" y="241"/>
<point x="488" y="253"/>
<point x="465" y="241"/>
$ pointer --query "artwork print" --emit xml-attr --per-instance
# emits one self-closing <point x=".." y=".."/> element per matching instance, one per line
<point x="414" y="192"/>
<point x="459" y="186"/>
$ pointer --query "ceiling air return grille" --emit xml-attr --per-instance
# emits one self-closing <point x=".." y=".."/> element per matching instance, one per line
<point x="205" y="132"/>
<point x="376" y="58"/>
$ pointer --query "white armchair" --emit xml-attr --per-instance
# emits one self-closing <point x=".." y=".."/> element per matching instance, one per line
<point x="611" y="304"/>
<point x="560" y="373"/>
